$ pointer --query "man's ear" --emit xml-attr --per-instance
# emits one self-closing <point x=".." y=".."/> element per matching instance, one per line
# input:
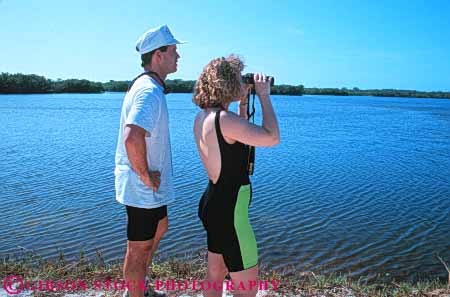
<point x="158" y="55"/>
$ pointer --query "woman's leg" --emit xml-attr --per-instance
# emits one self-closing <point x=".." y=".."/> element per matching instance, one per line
<point x="215" y="275"/>
<point x="245" y="282"/>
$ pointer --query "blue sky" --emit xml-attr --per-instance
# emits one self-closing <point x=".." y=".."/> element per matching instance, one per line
<point x="365" y="44"/>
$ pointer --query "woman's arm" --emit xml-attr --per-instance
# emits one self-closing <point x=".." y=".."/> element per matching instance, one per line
<point x="242" y="109"/>
<point x="238" y="128"/>
<point x="243" y="101"/>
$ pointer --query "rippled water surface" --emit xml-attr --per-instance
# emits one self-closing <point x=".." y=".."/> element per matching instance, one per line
<point x="358" y="185"/>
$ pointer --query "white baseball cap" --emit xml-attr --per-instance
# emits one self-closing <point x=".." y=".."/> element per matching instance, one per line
<point x="155" y="38"/>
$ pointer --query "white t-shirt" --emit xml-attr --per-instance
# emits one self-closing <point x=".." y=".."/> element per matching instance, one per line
<point x="145" y="106"/>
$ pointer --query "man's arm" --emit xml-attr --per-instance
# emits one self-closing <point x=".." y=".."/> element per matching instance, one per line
<point x="137" y="152"/>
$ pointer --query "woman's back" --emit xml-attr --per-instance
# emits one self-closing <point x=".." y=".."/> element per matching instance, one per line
<point x="223" y="139"/>
<point x="224" y="159"/>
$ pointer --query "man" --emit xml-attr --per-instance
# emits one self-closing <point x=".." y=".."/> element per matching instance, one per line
<point x="143" y="172"/>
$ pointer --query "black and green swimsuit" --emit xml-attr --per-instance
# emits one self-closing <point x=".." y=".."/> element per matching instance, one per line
<point x="223" y="208"/>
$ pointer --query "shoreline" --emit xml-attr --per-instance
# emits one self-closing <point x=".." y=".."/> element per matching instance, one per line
<point x="288" y="95"/>
<point x="36" y="84"/>
<point x="166" y="277"/>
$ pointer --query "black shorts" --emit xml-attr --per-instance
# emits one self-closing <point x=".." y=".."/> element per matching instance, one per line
<point x="142" y="222"/>
<point x="224" y="214"/>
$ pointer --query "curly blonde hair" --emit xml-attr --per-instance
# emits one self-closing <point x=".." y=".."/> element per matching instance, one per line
<point x="219" y="83"/>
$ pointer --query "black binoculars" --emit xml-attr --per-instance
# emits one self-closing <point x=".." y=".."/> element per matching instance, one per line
<point x="248" y="79"/>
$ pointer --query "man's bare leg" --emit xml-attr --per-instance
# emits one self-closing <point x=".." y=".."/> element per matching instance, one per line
<point x="134" y="269"/>
<point x="163" y="225"/>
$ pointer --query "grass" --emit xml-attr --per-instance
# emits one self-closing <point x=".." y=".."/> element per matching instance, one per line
<point x="32" y="267"/>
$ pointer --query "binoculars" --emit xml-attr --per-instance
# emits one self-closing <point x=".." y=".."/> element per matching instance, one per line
<point x="248" y="79"/>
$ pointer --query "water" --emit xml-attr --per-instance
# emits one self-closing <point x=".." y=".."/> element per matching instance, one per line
<point x="358" y="185"/>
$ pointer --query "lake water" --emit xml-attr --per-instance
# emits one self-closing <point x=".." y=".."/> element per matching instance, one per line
<point x="358" y="185"/>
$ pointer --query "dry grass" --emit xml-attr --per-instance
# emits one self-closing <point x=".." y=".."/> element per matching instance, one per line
<point x="32" y="267"/>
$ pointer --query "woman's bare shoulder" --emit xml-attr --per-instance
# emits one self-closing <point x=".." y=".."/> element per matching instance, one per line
<point x="230" y="118"/>
<point x="199" y="117"/>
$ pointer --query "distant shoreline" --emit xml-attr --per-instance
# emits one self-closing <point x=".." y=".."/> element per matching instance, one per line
<point x="35" y="84"/>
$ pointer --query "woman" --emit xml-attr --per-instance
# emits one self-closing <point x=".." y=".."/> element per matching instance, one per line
<point x="222" y="139"/>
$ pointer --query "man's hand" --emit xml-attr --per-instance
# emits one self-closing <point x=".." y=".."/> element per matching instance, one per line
<point x="137" y="151"/>
<point x="152" y="180"/>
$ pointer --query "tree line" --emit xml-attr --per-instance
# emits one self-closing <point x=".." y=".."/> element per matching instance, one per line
<point x="32" y="84"/>
<point x="35" y="84"/>
<point x="376" y="92"/>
